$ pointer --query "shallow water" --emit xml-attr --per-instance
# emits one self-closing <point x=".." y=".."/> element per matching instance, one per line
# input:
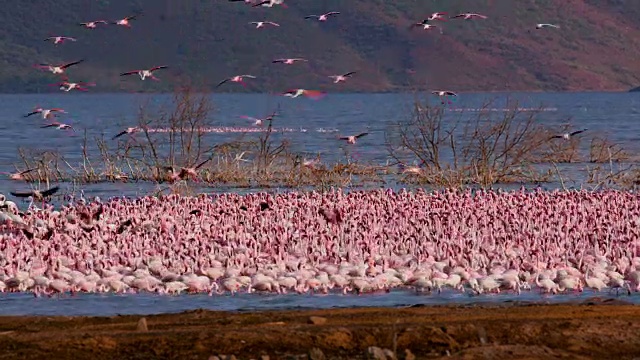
<point x="147" y="304"/>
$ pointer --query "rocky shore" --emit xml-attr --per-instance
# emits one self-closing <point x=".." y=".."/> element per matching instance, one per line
<point x="595" y="329"/>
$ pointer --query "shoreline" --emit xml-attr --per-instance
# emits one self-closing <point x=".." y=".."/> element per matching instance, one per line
<point x="597" y="329"/>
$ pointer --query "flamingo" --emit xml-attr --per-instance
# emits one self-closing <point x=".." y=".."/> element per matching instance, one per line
<point x="20" y="175"/>
<point x="93" y="24"/>
<point x="469" y="16"/>
<point x="426" y="26"/>
<point x="129" y="130"/>
<point x="443" y="94"/>
<point x="289" y="61"/>
<point x="59" y="39"/>
<point x="257" y="121"/>
<point x="37" y="195"/>
<point x="540" y="26"/>
<point x="46" y="113"/>
<point x="145" y="73"/>
<point x="352" y="138"/>
<point x="343" y="77"/>
<point x="437" y="16"/>
<point x="323" y="17"/>
<point x="270" y="3"/>
<point x="313" y="94"/>
<point x="261" y="24"/>
<point x="186" y="172"/>
<point x="58" y="69"/>
<point x="68" y="86"/>
<point x="567" y="136"/>
<point x="236" y="79"/>
<point x="59" y="126"/>
<point x="125" y="21"/>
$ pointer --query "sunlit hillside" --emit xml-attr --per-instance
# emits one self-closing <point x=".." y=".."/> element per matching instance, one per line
<point x="597" y="46"/>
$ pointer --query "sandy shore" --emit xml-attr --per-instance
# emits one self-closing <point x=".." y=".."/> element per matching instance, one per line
<point x="604" y="330"/>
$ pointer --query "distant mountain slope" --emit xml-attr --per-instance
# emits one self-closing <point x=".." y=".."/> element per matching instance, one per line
<point x="205" y="41"/>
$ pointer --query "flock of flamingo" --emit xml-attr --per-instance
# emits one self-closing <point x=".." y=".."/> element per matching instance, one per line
<point x="358" y="242"/>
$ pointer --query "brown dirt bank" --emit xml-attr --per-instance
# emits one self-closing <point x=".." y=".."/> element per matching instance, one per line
<point x="593" y="330"/>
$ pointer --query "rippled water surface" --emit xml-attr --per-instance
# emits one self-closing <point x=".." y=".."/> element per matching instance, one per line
<point x="144" y="304"/>
<point x="312" y="127"/>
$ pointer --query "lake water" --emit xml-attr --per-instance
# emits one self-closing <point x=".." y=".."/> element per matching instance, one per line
<point x="312" y="126"/>
<point x="312" y="129"/>
<point x="145" y="304"/>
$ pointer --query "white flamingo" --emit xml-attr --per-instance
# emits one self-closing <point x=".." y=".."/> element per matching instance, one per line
<point x="59" y="39"/>
<point x="145" y="73"/>
<point x="343" y="77"/>
<point x="261" y="24"/>
<point x="323" y="17"/>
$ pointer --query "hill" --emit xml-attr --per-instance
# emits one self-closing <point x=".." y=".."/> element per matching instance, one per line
<point x="205" y="41"/>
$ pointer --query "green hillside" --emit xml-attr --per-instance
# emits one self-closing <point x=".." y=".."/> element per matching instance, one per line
<point x="205" y="41"/>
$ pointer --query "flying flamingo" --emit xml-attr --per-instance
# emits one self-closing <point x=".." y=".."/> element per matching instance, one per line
<point x="186" y="172"/>
<point x="46" y="113"/>
<point x="312" y="94"/>
<point x="145" y="73"/>
<point x="469" y="16"/>
<point x="36" y="194"/>
<point x="437" y="16"/>
<point x="68" y="86"/>
<point x="426" y="26"/>
<point x="270" y="3"/>
<point x="540" y="26"/>
<point x="93" y="24"/>
<point x="125" y="21"/>
<point x="59" y="126"/>
<point x="58" y="69"/>
<point x="59" y="39"/>
<point x="259" y="122"/>
<point x="567" y="136"/>
<point x="129" y="130"/>
<point x="289" y="61"/>
<point x="352" y="138"/>
<point x="343" y="77"/>
<point x="443" y="94"/>
<point x="261" y="24"/>
<point x="236" y="79"/>
<point x="323" y="17"/>
<point x="20" y="175"/>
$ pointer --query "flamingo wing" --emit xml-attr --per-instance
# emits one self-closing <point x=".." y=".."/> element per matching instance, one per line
<point x="129" y="73"/>
<point x="71" y="64"/>
<point x="50" y="192"/>
<point x="222" y="82"/>
<point x="332" y="13"/>
<point x="22" y="194"/>
<point x="349" y="73"/>
<point x="158" y="67"/>
<point x="577" y="132"/>
<point x="311" y="16"/>
<point x="361" y="135"/>
<point x="119" y="134"/>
